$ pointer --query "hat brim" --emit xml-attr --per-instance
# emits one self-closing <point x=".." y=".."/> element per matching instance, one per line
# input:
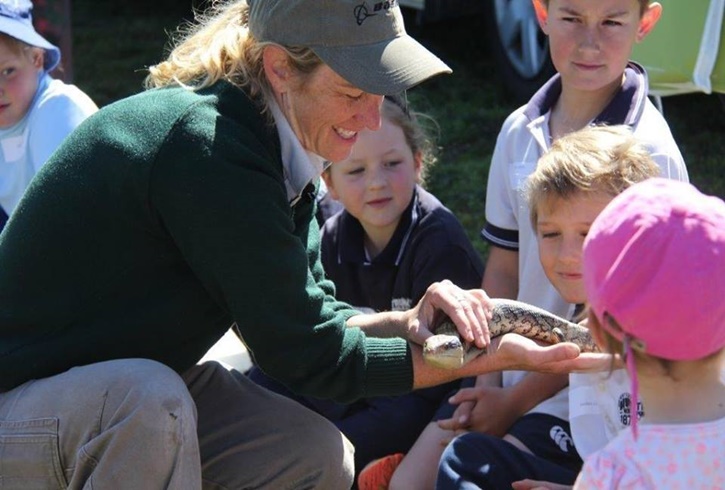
<point x="383" y="68"/>
<point x="26" y="34"/>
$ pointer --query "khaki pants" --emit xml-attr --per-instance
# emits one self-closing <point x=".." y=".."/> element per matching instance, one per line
<point x="136" y="424"/>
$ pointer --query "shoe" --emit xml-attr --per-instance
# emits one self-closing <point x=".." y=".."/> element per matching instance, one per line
<point x="377" y="474"/>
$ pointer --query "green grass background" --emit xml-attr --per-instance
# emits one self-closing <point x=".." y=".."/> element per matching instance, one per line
<point x="114" y="42"/>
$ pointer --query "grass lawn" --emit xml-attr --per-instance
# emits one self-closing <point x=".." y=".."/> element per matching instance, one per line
<point x="114" y="42"/>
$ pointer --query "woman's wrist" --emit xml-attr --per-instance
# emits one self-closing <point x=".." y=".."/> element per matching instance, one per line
<point x="385" y="324"/>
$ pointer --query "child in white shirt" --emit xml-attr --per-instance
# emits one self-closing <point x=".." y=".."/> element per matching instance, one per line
<point x="37" y="112"/>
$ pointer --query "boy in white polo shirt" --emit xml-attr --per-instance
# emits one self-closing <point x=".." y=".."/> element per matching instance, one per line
<point x="571" y="185"/>
<point x="590" y="44"/>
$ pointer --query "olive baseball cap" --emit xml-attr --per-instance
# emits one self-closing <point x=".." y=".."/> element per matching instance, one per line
<point x="363" y="41"/>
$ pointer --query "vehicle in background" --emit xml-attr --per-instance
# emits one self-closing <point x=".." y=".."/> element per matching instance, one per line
<point x="685" y="52"/>
<point x="519" y="48"/>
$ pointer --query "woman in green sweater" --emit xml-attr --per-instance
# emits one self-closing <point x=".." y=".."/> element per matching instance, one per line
<point x="173" y="214"/>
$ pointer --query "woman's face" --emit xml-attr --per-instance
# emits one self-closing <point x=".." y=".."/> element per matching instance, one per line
<point x="376" y="183"/>
<point x="325" y="111"/>
<point x="18" y="82"/>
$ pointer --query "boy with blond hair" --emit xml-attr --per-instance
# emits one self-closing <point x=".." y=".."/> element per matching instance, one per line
<point x="573" y="182"/>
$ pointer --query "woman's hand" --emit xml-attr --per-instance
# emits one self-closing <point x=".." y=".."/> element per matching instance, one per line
<point x="516" y="352"/>
<point x="469" y="309"/>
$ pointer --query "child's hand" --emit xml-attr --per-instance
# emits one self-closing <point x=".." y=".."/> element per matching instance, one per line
<point x="538" y="485"/>
<point x="462" y="415"/>
<point x="458" y="423"/>
<point x="491" y="413"/>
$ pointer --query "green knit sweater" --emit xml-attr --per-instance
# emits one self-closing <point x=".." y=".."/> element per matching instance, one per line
<point x="162" y="220"/>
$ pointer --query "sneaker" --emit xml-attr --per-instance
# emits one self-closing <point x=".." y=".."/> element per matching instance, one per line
<point x="377" y="474"/>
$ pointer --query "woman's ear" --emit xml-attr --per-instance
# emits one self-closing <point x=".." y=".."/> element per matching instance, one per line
<point x="649" y="19"/>
<point x="542" y="14"/>
<point x="276" y="68"/>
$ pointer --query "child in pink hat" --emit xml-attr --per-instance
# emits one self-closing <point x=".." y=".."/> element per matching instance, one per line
<point x="653" y="271"/>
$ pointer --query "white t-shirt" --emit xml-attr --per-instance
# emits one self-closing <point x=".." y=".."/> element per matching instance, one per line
<point x="600" y="406"/>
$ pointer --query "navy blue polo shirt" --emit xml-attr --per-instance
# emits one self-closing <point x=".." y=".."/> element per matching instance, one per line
<point x="429" y="245"/>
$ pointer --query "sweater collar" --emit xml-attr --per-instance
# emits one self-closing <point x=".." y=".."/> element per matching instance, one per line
<point x="301" y="167"/>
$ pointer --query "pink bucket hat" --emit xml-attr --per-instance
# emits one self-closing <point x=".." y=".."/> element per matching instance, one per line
<point x="654" y="260"/>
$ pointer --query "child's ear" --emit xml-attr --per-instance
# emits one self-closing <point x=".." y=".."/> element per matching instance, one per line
<point x="38" y="58"/>
<point x="328" y="183"/>
<point x="542" y="14"/>
<point x="649" y="19"/>
<point x="418" y="162"/>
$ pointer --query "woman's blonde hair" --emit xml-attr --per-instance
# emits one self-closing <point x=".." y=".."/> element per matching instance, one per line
<point x="220" y="46"/>
<point x="414" y="125"/>
<point x="597" y="158"/>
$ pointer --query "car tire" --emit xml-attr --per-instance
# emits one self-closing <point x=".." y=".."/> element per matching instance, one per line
<point x="519" y="48"/>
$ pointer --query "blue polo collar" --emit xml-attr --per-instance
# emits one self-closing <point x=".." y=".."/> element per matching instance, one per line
<point x="351" y="244"/>
<point x="626" y="107"/>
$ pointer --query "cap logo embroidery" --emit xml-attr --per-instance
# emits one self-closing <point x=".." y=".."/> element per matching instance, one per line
<point x="362" y="11"/>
